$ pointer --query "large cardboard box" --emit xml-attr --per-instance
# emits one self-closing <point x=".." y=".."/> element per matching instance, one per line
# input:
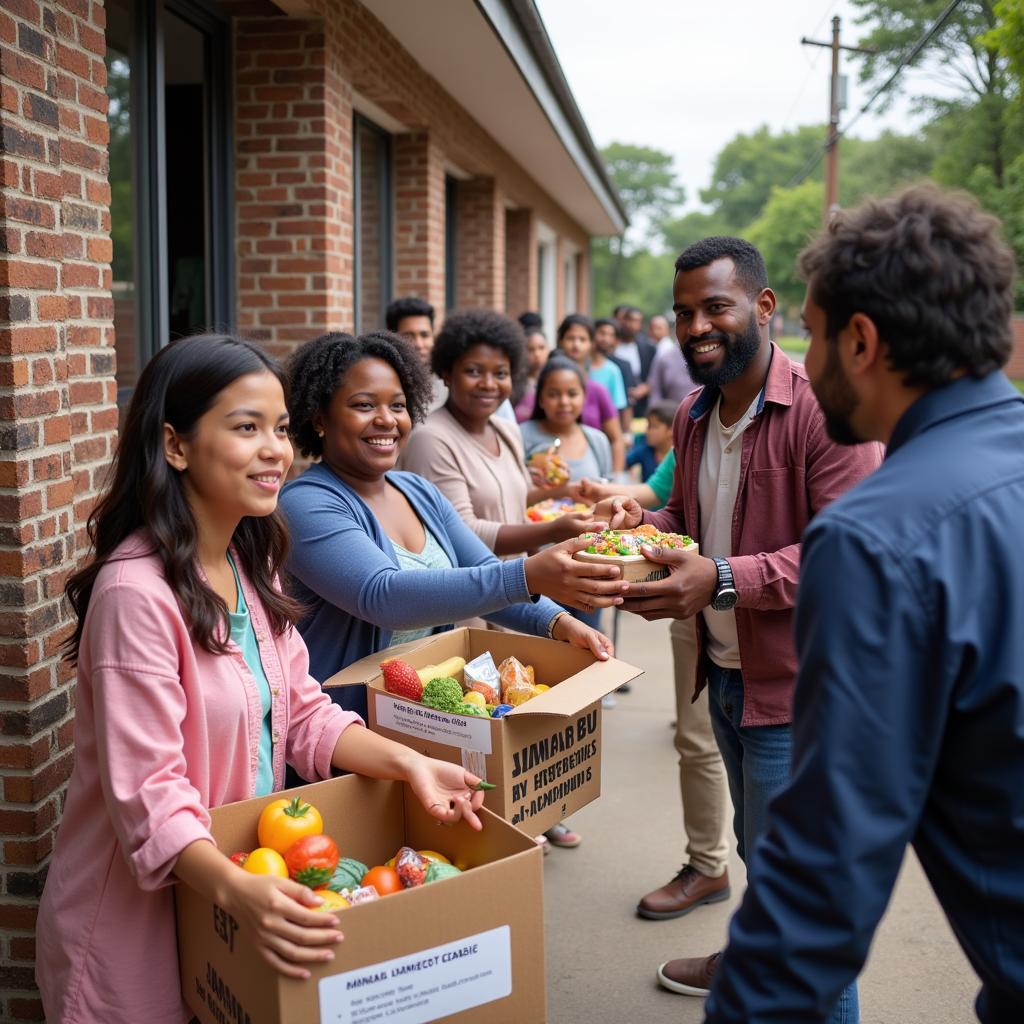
<point x="544" y="757"/>
<point x="468" y="949"/>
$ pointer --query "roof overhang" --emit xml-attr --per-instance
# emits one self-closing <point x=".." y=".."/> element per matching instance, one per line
<point x="495" y="59"/>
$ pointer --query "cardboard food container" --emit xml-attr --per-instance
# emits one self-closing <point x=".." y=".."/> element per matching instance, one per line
<point x="544" y="756"/>
<point x="467" y="949"/>
<point x="635" y="568"/>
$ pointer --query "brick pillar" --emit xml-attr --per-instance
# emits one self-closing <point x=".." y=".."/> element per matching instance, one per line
<point x="294" y="185"/>
<point x="480" y="245"/>
<point x="520" y="261"/>
<point x="583" y="296"/>
<point x="57" y="422"/>
<point x="419" y="219"/>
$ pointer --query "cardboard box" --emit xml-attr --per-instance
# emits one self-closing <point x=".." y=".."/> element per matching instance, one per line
<point x="544" y="757"/>
<point x="468" y="949"/>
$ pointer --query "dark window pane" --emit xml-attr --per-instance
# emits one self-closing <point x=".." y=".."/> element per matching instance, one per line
<point x="373" y="231"/>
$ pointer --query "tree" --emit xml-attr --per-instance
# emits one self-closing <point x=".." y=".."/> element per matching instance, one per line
<point x="690" y="228"/>
<point x="646" y="183"/>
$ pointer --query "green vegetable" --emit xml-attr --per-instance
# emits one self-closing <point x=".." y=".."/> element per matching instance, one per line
<point x="472" y="709"/>
<point x="438" y="872"/>
<point x="444" y="694"/>
<point x="347" y="875"/>
<point x="482" y="786"/>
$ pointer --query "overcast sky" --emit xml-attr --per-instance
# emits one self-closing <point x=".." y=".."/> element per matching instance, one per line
<point x="685" y="76"/>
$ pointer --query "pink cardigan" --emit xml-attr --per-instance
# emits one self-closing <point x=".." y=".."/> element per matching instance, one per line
<point x="163" y="731"/>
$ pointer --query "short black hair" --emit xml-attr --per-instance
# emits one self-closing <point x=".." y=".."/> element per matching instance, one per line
<point x="408" y="305"/>
<point x="748" y="261"/>
<point x="575" y="320"/>
<point x="556" y="361"/>
<point x="465" y="328"/>
<point x="317" y="369"/>
<point x="617" y="311"/>
<point x="530" y="321"/>
<point x="664" y="411"/>
<point x="932" y="271"/>
<point x="607" y="321"/>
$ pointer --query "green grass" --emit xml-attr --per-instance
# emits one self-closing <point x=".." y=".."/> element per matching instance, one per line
<point x="1018" y="384"/>
<point x="793" y="345"/>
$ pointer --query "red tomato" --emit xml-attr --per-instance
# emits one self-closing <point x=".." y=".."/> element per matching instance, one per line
<point x="384" y="879"/>
<point x="311" y="860"/>
<point x="239" y="858"/>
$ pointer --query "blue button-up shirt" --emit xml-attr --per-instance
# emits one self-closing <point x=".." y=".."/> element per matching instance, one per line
<point x="908" y="720"/>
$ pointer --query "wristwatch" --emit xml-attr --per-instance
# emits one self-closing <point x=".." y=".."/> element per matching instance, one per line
<point x="726" y="595"/>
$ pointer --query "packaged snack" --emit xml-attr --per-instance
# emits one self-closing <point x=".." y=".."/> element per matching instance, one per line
<point x="516" y="681"/>
<point x="411" y="867"/>
<point x="360" y="894"/>
<point x="481" y="676"/>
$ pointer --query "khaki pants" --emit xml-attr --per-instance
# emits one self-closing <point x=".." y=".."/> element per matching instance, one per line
<point x="702" y="780"/>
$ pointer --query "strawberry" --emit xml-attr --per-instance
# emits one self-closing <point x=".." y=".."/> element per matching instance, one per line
<point x="400" y="678"/>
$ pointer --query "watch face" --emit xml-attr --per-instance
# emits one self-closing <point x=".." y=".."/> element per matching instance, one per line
<point x="724" y="600"/>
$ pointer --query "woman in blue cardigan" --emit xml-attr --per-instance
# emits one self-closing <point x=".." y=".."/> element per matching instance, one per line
<point x="356" y="524"/>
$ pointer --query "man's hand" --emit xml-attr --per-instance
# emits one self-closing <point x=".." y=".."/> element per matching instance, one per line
<point x="620" y="512"/>
<point x="690" y="586"/>
<point x="588" y="491"/>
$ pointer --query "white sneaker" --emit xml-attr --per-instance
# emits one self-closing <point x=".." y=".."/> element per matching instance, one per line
<point x="608" y="701"/>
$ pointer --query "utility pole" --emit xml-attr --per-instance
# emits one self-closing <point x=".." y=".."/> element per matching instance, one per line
<point x="835" y="103"/>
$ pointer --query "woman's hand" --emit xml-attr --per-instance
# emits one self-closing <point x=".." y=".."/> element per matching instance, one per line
<point x="579" y="634"/>
<point x="446" y="791"/>
<point x="554" y="573"/>
<point x="620" y="512"/>
<point x="572" y="524"/>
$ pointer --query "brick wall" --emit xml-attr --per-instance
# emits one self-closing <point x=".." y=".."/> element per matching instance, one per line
<point x="520" y="261"/>
<point x="57" y="419"/>
<point x="1015" y="367"/>
<point x="480" y="254"/>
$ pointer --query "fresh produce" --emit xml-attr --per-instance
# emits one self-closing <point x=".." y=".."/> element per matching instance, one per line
<point x="331" y="901"/>
<point x="628" y="542"/>
<point x="347" y="875"/>
<point x="444" y="694"/>
<point x="453" y="666"/>
<point x="311" y="860"/>
<point x="384" y="879"/>
<point x="264" y="861"/>
<point x="284" y="821"/>
<point x="434" y="856"/>
<point x="437" y="872"/>
<point x="483" y="787"/>
<point x="554" y="508"/>
<point x="410" y="867"/>
<point x="476" y="698"/>
<point x="401" y="679"/>
<point x="239" y="858"/>
<point x="489" y="693"/>
<point x="472" y="710"/>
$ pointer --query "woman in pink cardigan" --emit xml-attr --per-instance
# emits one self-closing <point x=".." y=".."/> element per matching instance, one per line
<point x="193" y="691"/>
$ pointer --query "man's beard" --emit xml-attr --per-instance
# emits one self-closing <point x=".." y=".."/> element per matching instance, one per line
<point x="740" y="350"/>
<point x="837" y="399"/>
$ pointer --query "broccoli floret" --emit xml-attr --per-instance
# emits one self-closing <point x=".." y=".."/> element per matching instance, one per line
<point x="443" y="694"/>
<point x="473" y="709"/>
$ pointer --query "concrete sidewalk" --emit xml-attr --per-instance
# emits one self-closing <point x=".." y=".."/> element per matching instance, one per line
<point x="601" y="957"/>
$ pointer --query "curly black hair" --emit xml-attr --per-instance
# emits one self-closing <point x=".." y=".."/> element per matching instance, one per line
<point x="748" y="261"/>
<point x="318" y="368"/>
<point x="933" y="272"/>
<point x="468" y="327"/>
<point x="408" y="305"/>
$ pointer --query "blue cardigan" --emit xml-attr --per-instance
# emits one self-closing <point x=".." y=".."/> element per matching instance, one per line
<point x="345" y="571"/>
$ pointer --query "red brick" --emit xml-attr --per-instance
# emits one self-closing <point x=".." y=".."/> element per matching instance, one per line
<point x="24" y="755"/>
<point x="52" y="307"/>
<point x="19" y="274"/>
<point x="57" y="428"/>
<point x="22" y="69"/>
<point x="48" y="245"/>
<point x="30" y="211"/>
<point x="62" y="493"/>
<point x="21" y="916"/>
<point x="28" y="339"/>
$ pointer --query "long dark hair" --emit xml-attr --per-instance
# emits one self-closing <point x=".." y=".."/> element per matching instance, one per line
<point x="556" y="361"/>
<point x="178" y="385"/>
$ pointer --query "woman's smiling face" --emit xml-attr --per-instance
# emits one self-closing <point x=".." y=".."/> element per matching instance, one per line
<point x="366" y="421"/>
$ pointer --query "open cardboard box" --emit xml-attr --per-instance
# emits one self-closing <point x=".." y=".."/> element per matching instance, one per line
<point x="468" y="949"/>
<point x="544" y="757"/>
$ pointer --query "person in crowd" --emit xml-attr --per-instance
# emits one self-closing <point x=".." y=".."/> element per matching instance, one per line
<point x="909" y="704"/>
<point x="530" y="320"/>
<point x="669" y="379"/>
<point x="638" y="350"/>
<point x="476" y="460"/>
<point x="602" y="404"/>
<point x="193" y="690"/>
<point x="753" y="465"/>
<point x="657" y="443"/>
<point x="659" y="332"/>
<point x="412" y="318"/>
<point x="606" y="340"/>
<point x="380" y="556"/>
<point x="537" y="353"/>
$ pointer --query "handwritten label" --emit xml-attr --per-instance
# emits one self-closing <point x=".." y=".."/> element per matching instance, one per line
<point x="469" y="732"/>
<point x="424" y="986"/>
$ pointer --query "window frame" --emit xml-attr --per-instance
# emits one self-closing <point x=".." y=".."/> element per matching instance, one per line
<point x="385" y="172"/>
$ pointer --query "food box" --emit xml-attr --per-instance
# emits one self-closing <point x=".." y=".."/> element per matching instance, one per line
<point x="554" y="508"/>
<point x="543" y="757"/>
<point x="467" y="949"/>
<point x="635" y="568"/>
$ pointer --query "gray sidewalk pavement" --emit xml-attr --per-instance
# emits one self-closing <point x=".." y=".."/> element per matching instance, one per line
<point x="601" y="957"/>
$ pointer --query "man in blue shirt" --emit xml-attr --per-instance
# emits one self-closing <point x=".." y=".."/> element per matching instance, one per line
<point x="909" y="705"/>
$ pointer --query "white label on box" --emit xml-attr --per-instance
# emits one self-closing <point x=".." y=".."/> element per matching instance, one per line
<point x="423" y="986"/>
<point x="470" y="732"/>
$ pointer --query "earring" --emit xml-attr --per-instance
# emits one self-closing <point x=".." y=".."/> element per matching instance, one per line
<point x="319" y="433"/>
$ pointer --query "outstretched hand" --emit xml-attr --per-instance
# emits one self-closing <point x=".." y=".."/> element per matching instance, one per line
<point x="446" y="791"/>
<point x="620" y="512"/>
<point x="554" y="573"/>
<point x="689" y="587"/>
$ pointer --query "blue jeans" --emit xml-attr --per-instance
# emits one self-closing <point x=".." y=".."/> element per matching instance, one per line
<point x="757" y="766"/>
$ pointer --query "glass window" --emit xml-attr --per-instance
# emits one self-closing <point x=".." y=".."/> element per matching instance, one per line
<point x="372" y="219"/>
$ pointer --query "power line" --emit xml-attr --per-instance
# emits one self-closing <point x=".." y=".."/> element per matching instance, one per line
<point x="941" y="20"/>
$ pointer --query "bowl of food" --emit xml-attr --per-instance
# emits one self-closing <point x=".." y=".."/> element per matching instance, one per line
<point x="554" y="508"/>
<point x="622" y="548"/>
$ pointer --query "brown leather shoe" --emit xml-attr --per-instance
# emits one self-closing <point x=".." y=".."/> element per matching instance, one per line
<point x="689" y="977"/>
<point x="687" y="891"/>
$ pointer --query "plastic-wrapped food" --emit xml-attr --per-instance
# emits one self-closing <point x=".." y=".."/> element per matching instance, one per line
<point x="553" y="467"/>
<point x="481" y="676"/>
<point x="360" y="894"/>
<point x="516" y="681"/>
<point x="411" y="867"/>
